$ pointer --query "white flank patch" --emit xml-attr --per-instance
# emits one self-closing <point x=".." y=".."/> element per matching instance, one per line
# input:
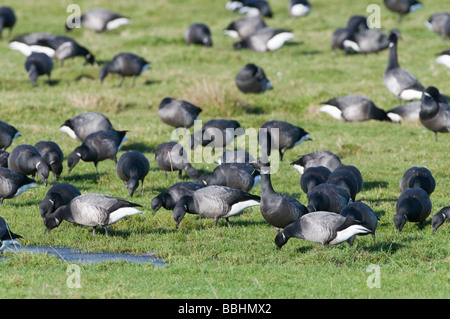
<point x="256" y="181"/>
<point x="69" y="131"/>
<point x="121" y="213"/>
<point x="238" y="207"/>
<point x="41" y="49"/>
<point x="333" y="111"/>
<point x="277" y="41"/>
<point x="114" y="24"/>
<point x="231" y="33"/>
<point x="411" y="95"/>
<point x="23" y="188"/>
<point x="394" y="117"/>
<point x="299" y="168"/>
<point x="21" y="47"/>
<point x="444" y="59"/>
<point x="345" y="234"/>
<point x="349" y="44"/>
<point x="300" y="10"/>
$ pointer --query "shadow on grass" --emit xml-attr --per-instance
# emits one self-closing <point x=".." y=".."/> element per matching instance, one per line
<point x="138" y="146"/>
<point x="375" y="184"/>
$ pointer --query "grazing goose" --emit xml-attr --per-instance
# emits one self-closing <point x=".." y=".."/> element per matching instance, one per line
<point x="7" y="237"/>
<point x="413" y="205"/>
<point x="363" y="213"/>
<point x="237" y="156"/>
<point x="298" y="8"/>
<point x="344" y="39"/>
<point x="402" y="7"/>
<point x="278" y="209"/>
<point x="58" y="195"/>
<point x="97" y="147"/>
<point x="170" y="197"/>
<point x="26" y="160"/>
<point x="440" y="217"/>
<point x="214" y="202"/>
<point x="53" y="156"/>
<point x="131" y="168"/>
<point x="244" y="27"/>
<point x="317" y="158"/>
<point x="171" y="156"/>
<point x="4" y="158"/>
<point x="217" y="133"/>
<point x="398" y="81"/>
<point x="198" y="33"/>
<point x="321" y="227"/>
<point x="434" y="115"/>
<point x="313" y="176"/>
<point x="92" y="210"/>
<point x="84" y="124"/>
<point x="7" y="19"/>
<point x="57" y="47"/>
<point x="327" y="197"/>
<point x="252" y="79"/>
<point x="356" y="108"/>
<point x="406" y="112"/>
<point x="124" y="64"/>
<point x="418" y="177"/>
<point x="256" y="8"/>
<point x="178" y="113"/>
<point x="8" y="134"/>
<point x="99" y="20"/>
<point x="373" y="40"/>
<point x="265" y="39"/>
<point x="12" y="184"/>
<point x="439" y="23"/>
<point x="280" y="136"/>
<point x="444" y="58"/>
<point x="235" y="175"/>
<point x="349" y="178"/>
<point x="38" y="64"/>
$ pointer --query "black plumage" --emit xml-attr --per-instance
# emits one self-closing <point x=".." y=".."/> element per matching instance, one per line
<point x="8" y="134"/>
<point x="413" y="205"/>
<point x="252" y="79"/>
<point x="124" y="64"/>
<point x="199" y="34"/>
<point x="26" y="160"/>
<point x="58" y="195"/>
<point x="53" y="156"/>
<point x="171" y="156"/>
<point x="132" y="168"/>
<point x="418" y="177"/>
<point x="38" y="64"/>
<point x="178" y="113"/>
<point x="7" y="19"/>
<point x="170" y="197"/>
<point x="434" y="115"/>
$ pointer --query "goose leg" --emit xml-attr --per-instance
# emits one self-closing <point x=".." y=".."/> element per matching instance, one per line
<point x="94" y="231"/>
<point x="121" y="81"/>
<point x="106" y="231"/>
<point x="228" y="222"/>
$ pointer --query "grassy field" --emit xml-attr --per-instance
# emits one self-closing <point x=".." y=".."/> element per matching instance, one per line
<point x="241" y="261"/>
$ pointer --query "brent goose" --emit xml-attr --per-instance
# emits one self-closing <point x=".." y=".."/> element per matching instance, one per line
<point x="235" y="175"/>
<point x="363" y="213"/>
<point x="198" y="33"/>
<point x="170" y="197"/>
<point x="97" y="147"/>
<point x="12" y="184"/>
<point x="407" y="112"/>
<point x="255" y="8"/>
<point x="399" y="81"/>
<point x="317" y="158"/>
<point x="236" y="156"/>
<point x="7" y="237"/>
<point x="280" y="136"/>
<point x="413" y="205"/>
<point x="402" y="7"/>
<point x="265" y="39"/>
<point x="348" y="179"/>
<point x="373" y="40"/>
<point x="82" y="125"/>
<point x="98" y="20"/>
<point x="434" y="115"/>
<point x="439" y="23"/>
<point x="38" y="64"/>
<point x="327" y="197"/>
<point x="55" y="46"/>
<point x="244" y="27"/>
<point x="214" y="202"/>
<point x="92" y="210"/>
<point x="321" y="227"/>
<point x="299" y="8"/>
<point x="52" y="154"/>
<point x="58" y="195"/>
<point x="124" y="64"/>
<point x="252" y="79"/>
<point x="26" y="160"/>
<point x="278" y="209"/>
<point x="356" y="108"/>
<point x="4" y="158"/>
<point x="344" y="39"/>
<point x="8" y="134"/>
<point x="418" y="177"/>
<point x="178" y="113"/>
<point x="357" y="23"/>
<point x="7" y="19"/>
<point x="171" y="156"/>
<point x="440" y="217"/>
<point x="217" y="133"/>
<point x="313" y="176"/>
<point x="131" y="168"/>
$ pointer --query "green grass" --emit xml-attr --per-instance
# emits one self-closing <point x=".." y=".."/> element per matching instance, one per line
<point x="241" y="261"/>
